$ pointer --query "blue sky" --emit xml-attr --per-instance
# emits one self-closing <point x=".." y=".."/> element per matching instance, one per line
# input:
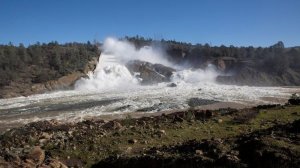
<point x="236" y="22"/>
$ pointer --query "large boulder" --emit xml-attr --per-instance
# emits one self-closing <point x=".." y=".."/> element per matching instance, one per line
<point x="150" y="73"/>
<point x="225" y="64"/>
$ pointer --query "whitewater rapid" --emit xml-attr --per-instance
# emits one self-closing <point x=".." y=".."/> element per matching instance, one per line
<point x="112" y="90"/>
<point x="77" y="104"/>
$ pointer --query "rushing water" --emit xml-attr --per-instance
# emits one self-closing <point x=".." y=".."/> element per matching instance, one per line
<point x="71" y="105"/>
<point x="111" y="89"/>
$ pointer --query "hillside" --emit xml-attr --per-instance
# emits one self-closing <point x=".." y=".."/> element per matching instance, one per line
<point x="269" y="66"/>
<point x="43" y="67"/>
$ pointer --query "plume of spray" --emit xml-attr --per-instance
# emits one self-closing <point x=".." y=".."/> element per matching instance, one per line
<point x="207" y="75"/>
<point x="125" y="51"/>
<point x="111" y="72"/>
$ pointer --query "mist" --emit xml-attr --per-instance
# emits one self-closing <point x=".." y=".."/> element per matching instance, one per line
<point x="125" y="51"/>
<point x="112" y="73"/>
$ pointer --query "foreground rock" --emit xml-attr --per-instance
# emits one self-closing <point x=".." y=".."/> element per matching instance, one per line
<point x="274" y="147"/>
<point x="294" y="100"/>
<point x="252" y="137"/>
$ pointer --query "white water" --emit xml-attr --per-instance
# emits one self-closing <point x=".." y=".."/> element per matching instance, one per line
<point x="111" y="89"/>
<point x="108" y="75"/>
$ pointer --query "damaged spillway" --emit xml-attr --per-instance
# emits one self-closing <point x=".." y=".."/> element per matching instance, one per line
<point x="131" y="80"/>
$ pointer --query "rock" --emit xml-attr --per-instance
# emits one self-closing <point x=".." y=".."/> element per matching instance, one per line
<point x="70" y="133"/>
<point x="132" y="141"/>
<point x="61" y="83"/>
<point x="150" y="73"/>
<point x="232" y="158"/>
<point x="199" y="152"/>
<point x="172" y="85"/>
<point x="43" y="141"/>
<point x="128" y="150"/>
<point x="218" y="140"/>
<point x="53" y="163"/>
<point x="144" y="142"/>
<point x="91" y="65"/>
<point x="4" y="164"/>
<point x="234" y="152"/>
<point x="194" y="102"/>
<point x="225" y="64"/>
<point x="294" y="101"/>
<point x="11" y="157"/>
<point x="45" y="135"/>
<point x="37" y="155"/>
<point x="178" y="119"/>
<point x="161" y="133"/>
<point x="112" y="125"/>
<point x="29" y="163"/>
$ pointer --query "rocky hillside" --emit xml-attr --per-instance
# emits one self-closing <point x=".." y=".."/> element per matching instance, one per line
<point x="44" y="67"/>
<point x="269" y="66"/>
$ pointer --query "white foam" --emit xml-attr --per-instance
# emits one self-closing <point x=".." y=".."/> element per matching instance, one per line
<point x="111" y="80"/>
<point x="105" y="77"/>
<point x="207" y="75"/>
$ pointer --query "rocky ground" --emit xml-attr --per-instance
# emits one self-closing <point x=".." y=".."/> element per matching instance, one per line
<point x="264" y="136"/>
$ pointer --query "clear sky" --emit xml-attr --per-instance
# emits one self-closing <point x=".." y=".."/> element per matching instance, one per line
<point x="236" y="22"/>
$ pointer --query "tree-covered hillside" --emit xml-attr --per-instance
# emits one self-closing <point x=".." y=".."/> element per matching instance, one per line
<point x="264" y="66"/>
<point x="43" y="62"/>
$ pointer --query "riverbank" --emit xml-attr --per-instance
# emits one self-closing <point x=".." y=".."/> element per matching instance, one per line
<point x="252" y="137"/>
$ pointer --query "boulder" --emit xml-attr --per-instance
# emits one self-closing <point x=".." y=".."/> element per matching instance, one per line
<point x="53" y="163"/>
<point x="3" y="163"/>
<point x="172" y="85"/>
<point x="199" y="152"/>
<point x="112" y="125"/>
<point x="294" y="101"/>
<point x="36" y="155"/>
<point x="150" y="73"/>
<point x="132" y="141"/>
<point x="225" y="64"/>
<point x="91" y="65"/>
<point x="194" y="102"/>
